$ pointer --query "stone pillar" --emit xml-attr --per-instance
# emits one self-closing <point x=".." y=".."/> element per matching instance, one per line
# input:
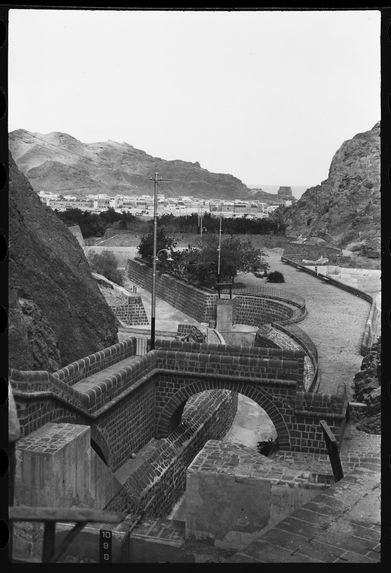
<point x="224" y="315"/>
<point x="53" y="467"/>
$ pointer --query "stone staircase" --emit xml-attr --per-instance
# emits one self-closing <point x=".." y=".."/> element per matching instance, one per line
<point x="340" y="525"/>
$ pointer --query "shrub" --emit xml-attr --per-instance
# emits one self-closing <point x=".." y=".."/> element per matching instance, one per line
<point x="266" y="447"/>
<point x="275" y="277"/>
<point x="105" y="264"/>
<point x="163" y="241"/>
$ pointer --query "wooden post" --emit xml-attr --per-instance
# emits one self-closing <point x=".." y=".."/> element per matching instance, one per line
<point x="49" y="535"/>
<point x="332" y="449"/>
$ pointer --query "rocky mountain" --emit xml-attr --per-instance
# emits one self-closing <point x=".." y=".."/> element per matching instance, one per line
<point x="60" y="163"/>
<point x="57" y="313"/>
<point x="345" y="208"/>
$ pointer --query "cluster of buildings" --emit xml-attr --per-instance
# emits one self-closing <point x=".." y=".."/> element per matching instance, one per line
<point x="143" y="205"/>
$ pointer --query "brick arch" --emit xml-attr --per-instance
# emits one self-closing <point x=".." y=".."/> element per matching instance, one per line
<point x="171" y="415"/>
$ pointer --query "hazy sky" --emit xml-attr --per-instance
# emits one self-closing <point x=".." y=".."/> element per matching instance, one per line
<point x="266" y="96"/>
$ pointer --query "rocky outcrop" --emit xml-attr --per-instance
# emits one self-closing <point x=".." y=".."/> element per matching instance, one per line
<point x="60" y="163"/>
<point x="345" y="208"/>
<point x="367" y="389"/>
<point x="57" y="313"/>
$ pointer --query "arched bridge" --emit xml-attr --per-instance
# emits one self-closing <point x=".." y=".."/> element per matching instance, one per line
<point x="128" y="399"/>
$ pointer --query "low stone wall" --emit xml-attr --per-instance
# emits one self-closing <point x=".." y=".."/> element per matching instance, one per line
<point x="199" y="304"/>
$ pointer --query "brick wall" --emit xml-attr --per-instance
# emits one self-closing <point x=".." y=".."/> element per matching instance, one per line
<point x="200" y="305"/>
<point x="228" y="349"/>
<point x="161" y="479"/>
<point x="129" y="407"/>
<point x="132" y="312"/>
<point x="249" y="308"/>
<point x="240" y="366"/>
<point x="192" y="331"/>
<point x="95" y="362"/>
<point x="130" y="424"/>
<point x="256" y="311"/>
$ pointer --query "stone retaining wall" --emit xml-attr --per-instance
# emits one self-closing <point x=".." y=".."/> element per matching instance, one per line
<point x="126" y="306"/>
<point x="131" y="313"/>
<point x="200" y="305"/>
<point x="249" y="307"/>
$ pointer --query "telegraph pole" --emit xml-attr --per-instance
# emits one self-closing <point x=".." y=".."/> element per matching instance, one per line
<point x="156" y="181"/>
<point x="219" y="253"/>
<point x="200" y="221"/>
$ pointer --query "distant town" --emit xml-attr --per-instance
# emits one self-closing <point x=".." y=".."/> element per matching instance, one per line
<point x="142" y="205"/>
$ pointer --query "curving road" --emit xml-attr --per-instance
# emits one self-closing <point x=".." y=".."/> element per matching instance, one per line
<point x="335" y="322"/>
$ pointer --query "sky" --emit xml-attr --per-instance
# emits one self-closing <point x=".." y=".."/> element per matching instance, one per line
<point x="268" y="97"/>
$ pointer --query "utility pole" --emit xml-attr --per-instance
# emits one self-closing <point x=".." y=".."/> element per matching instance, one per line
<point x="156" y="181"/>
<point x="219" y="253"/>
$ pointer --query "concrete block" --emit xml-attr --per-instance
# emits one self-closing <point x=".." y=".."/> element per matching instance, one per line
<point x="53" y="466"/>
<point x="233" y="494"/>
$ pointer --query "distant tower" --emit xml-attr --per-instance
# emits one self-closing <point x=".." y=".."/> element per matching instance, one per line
<point x="285" y="193"/>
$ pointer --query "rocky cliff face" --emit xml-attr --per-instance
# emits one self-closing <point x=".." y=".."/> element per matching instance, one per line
<point x="345" y="208"/>
<point x="60" y="163"/>
<point x="56" y="311"/>
<point x="367" y="389"/>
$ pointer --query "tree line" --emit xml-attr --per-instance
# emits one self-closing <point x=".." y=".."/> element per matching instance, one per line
<point x="96" y="224"/>
<point x="232" y="225"/>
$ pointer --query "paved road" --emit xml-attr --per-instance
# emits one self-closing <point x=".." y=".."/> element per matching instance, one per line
<point x="335" y="322"/>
